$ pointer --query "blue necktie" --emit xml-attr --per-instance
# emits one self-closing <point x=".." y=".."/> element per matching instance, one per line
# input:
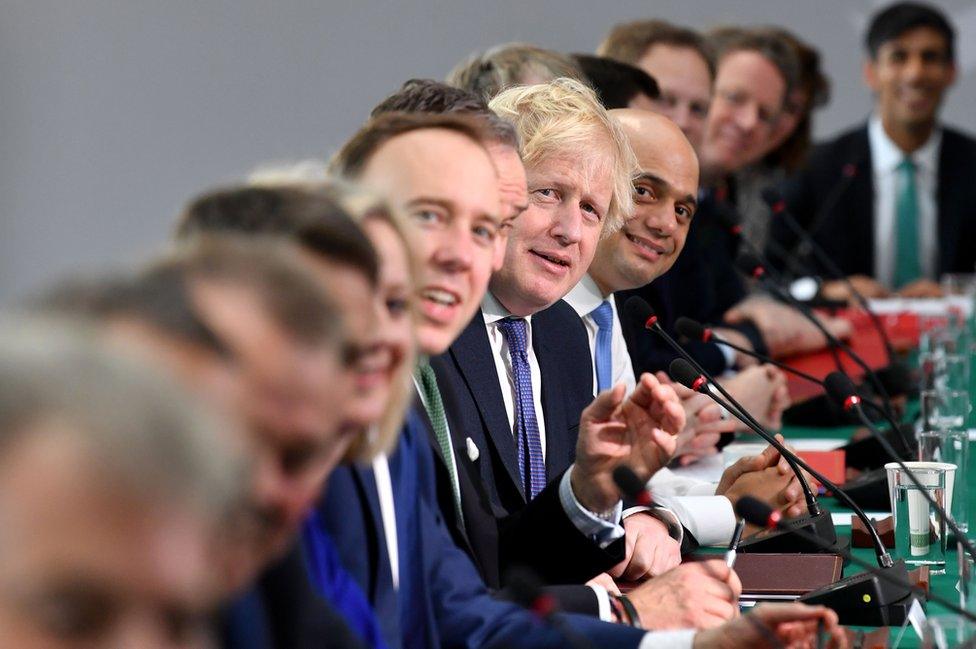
<point x="908" y="266"/>
<point x="603" y="359"/>
<point x="528" y="443"/>
<point x="336" y="585"/>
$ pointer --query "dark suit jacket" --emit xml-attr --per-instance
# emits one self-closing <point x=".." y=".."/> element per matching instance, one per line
<point x="282" y="611"/>
<point x="441" y="600"/>
<point x="833" y="198"/>
<point x="703" y="284"/>
<point x="502" y="530"/>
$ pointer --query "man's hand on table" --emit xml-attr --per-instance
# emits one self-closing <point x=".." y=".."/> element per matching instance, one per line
<point x="763" y="392"/>
<point x="695" y="595"/>
<point x="704" y="424"/>
<point x="650" y="550"/>
<point x="779" y="626"/>
<point x="766" y="476"/>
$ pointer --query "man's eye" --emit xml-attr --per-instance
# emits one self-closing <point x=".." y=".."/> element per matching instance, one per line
<point x="397" y="306"/>
<point x="426" y="216"/>
<point x="645" y="192"/>
<point x="484" y="232"/>
<point x="547" y="192"/>
<point x="590" y="209"/>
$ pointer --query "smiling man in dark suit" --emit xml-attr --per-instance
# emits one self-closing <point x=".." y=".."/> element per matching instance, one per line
<point x="891" y="200"/>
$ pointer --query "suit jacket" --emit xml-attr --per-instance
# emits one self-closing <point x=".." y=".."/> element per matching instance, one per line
<point x="281" y="611"/>
<point x="833" y="199"/>
<point x="703" y="284"/>
<point x="501" y="529"/>
<point x="441" y="600"/>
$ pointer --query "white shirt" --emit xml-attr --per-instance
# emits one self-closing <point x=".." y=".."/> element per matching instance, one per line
<point x="384" y="488"/>
<point x="708" y="517"/>
<point x="494" y="313"/>
<point x="885" y="158"/>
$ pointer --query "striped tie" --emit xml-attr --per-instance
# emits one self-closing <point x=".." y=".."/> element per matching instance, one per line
<point x="528" y="442"/>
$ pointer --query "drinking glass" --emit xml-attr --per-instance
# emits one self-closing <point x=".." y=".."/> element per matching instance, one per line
<point x="920" y="531"/>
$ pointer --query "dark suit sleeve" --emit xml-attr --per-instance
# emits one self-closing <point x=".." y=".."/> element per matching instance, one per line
<point x="542" y="536"/>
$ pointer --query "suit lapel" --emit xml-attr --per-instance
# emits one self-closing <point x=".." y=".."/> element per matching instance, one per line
<point x="949" y="196"/>
<point x="862" y="201"/>
<point x="472" y="355"/>
<point x="553" y="397"/>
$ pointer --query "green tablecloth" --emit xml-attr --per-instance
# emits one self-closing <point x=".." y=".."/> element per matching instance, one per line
<point x="943" y="585"/>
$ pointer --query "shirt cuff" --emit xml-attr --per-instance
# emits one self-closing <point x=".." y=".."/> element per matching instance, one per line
<point x="663" y="514"/>
<point x="603" y="602"/>
<point x="683" y="639"/>
<point x="710" y="519"/>
<point x="602" y="531"/>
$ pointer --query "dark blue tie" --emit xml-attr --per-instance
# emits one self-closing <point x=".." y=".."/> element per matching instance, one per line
<point x="603" y="359"/>
<point x="528" y="443"/>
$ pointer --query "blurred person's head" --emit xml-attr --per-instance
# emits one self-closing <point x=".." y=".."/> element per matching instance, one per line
<point x="428" y="96"/>
<point x="511" y="64"/>
<point x="618" y="84"/>
<point x="911" y="64"/>
<point x="317" y="218"/>
<point x="792" y="137"/>
<point x="284" y="332"/>
<point x="579" y="167"/>
<point x="665" y="200"/>
<point x="453" y="209"/>
<point x="755" y="72"/>
<point x="679" y="60"/>
<point x="113" y="481"/>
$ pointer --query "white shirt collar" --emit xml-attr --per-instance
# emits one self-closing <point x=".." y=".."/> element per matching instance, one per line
<point x="886" y="156"/>
<point x="585" y="296"/>
<point x="493" y="310"/>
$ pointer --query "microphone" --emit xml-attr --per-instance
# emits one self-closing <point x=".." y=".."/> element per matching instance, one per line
<point x="777" y="206"/>
<point x="694" y="330"/>
<point x="753" y="267"/>
<point x="841" y="390"/>
<point x="817" y="521"/>
<point x="526" y="589"/>
<point x="859" y="599"/>
<point x="631" y="486"/>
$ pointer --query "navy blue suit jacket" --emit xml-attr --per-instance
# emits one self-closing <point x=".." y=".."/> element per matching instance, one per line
<point x="441" y="601"/>
<point x="833" y="199"/>
<point x="501" y="529"/>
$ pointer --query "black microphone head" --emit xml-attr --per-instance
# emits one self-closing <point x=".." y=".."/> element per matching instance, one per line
<point x="684" y="373"/>
<point x="756" y="512"/>
<point x="640" y="310"/>
<point x="691" y="329"/>
<point x="527" y="590"/>
<point x="773" y="198"/>
<point x="750" y="265"/>
<point x="840" y="389"/>
<point x="729" y="220"/>
<point x="627" y="481"/>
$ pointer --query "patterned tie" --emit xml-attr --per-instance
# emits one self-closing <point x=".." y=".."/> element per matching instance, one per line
<point x="528" y="443"/>
<point x="438" y="420"/>
<point x="907" y="264"/>
<point x="603" y="317"/>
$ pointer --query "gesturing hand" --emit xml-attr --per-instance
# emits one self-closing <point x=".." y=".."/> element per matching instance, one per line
<point x="638" y="431"/>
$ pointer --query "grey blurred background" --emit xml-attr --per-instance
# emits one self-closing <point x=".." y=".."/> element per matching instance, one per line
<point x="115" y="112"/>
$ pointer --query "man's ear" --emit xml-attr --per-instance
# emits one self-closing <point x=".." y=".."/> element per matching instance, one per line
<point x="870" y="74"/>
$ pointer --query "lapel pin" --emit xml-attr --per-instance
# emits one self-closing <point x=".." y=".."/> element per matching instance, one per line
<point x="473" y="452"/>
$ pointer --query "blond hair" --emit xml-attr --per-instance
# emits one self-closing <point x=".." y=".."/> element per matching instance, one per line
<point x="564" y="118"/>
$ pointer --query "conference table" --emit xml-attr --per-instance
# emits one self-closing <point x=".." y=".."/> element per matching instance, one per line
<point x="867" y="342"/>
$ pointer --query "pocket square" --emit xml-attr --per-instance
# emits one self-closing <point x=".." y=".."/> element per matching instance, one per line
<point x="473" y="453"/>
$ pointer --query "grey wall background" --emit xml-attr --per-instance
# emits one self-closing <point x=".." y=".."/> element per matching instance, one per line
<point x="114" y="112"/>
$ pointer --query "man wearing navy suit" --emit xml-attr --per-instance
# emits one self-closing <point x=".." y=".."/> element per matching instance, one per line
<point x="891" y="200"/>
<point x="525" y="357"/>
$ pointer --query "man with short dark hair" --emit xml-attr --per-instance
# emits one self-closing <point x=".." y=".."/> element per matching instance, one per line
<point x="618" y="84"/>
<point x="890" y="201"/>
<point x="678" y="59"/>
